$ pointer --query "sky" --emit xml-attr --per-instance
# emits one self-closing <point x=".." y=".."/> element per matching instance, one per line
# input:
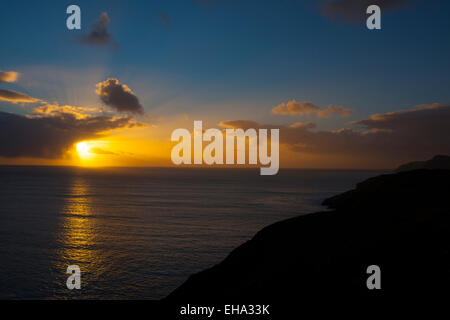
<point x="343" y="96"/>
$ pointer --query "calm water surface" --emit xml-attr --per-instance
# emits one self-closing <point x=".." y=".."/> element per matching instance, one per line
<point x="138" y="233"/>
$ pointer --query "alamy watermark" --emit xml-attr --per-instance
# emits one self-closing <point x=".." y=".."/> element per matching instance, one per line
<point x="374" y="280"/>
<point x="74" y="280"/>
<point x="73" y="21"/>
<point x="373" y="22"/>
<point x="213" y="152"/>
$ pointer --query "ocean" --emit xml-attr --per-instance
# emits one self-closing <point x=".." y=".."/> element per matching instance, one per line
<point x="138" y="233"/>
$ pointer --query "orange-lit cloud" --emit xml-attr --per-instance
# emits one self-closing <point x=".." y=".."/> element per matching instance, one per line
<point x="393" y="137"/>
<point x="16" y="97"/>
<point x="98" y="150"/>
<point x="52" y="131"/>
<point x="11" y="95"/>
<point x="9" y="76"/>
<point x="244" y="124"/>
<point x="54" y="110"/>
<point x="304" y="125"/>
<point x="307" y="108"/>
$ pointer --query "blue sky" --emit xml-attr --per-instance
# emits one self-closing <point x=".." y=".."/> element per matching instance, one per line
<point x="262" y="51"/>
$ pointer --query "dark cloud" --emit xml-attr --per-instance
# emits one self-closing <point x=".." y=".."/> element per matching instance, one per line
<point x="50" y="137"/>
<point x="99" y="34"/>
<point x="119" y="96"/>
<point x="419" y="133"/>
<point x="164" y="19"/>
<point x="307" y="108"/>
<point x="354" y="11"/>
<point x="16" y="97"/>
<point x="8" y="76"/>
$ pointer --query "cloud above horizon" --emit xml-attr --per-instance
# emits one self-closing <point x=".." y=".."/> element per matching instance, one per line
<point x="354" y="11"/>
<point x="99" y="34"/>
<point x="97" y="150"/>
<point x="164" y="19"/>
<point x="11" y="95"/>
<point x="401" y="135"/>
<point x="16" y="97"/>
<point x="9" y="76"/>
<point x="51" y="136"/>
<point x="55" y="110"/>
<point x="50" y="129"/>
<point x="307" y="108"/>
<point x="119" y="96"/>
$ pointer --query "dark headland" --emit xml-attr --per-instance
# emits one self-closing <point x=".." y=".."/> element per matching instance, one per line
<point x="399" y="222"/>
<point x="437" y="162"/>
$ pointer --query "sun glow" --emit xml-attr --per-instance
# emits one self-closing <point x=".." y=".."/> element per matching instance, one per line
<point x="95" y="153"/>
<point x="83" y="150"/>
<point x="120" y="150"/>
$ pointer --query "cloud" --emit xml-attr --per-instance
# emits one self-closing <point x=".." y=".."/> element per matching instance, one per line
<point x="16" y="97"/>
<point x="97" y="150"/>
<point x="394" y="136"/>
<point x="54" y="110"/>
<point x="164" y="19"/>
<point x="307" y="108"/>
<point x="9" y="76"/>
<point x="244" y="124"/>
<point x="341" y="111"/>
<point x="305" y="125"/>
<point x="119" y="97"/>
<point x="99" y="34"/>
<point x="52" y="129"/>
<point x="11" y="95"/>
<point x="354" y="11"/>
<point x="51" y="137"/>
<point x="421" y="124"/>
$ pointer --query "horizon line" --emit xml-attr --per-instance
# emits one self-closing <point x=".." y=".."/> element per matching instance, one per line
<point x="189" y="167"/>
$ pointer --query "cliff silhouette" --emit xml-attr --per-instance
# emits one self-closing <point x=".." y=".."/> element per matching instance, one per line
<point x="399" y="222"/>
<point x="437" y="162"/>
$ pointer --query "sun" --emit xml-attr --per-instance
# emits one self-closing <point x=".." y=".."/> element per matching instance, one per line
<point x="92" y="152"/>
<point x="83" y="150"/>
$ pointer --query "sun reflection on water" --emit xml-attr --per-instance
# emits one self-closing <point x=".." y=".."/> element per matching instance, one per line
<point x="78" y="227"/>
<point x="77" y="235"/>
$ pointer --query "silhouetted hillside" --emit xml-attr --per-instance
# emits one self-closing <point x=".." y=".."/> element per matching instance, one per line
<point x="437" y="162"/>
<point x="399" y="222"/>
